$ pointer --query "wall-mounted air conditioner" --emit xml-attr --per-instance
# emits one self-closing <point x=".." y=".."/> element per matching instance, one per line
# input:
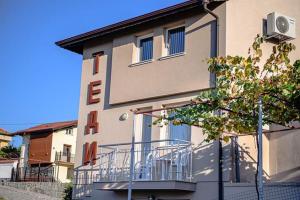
<point x="281" y="26"/>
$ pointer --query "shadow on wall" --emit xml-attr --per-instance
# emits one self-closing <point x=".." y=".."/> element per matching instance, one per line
<point x="205" y="162"/>
<point x="241" y="166"/>
<point x="284" y="160"/>
<point x="248" y="166"/>
<point x="291" y="175"/>
<point x="285" y="154"/>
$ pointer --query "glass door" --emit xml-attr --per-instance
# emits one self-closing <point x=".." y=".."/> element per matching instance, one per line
<point x="180" y="133"/>
<point x="146" y="135"/>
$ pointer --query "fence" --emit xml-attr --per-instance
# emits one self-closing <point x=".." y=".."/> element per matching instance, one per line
<point x="33" y="174"/>
<point x="83" y="182"/>
<point x="161" y="160"/>
<point x="272" y="191"/>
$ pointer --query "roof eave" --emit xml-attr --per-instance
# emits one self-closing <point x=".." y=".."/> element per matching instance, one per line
<point x="75" y="43"/>
<point x="22" y="133"/>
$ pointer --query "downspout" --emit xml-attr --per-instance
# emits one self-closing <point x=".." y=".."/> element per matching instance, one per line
<point x="205" y="3"/>
<point x="220" y="164"/>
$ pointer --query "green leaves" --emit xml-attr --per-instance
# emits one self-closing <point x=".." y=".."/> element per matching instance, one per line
<point x="231" y="108"/>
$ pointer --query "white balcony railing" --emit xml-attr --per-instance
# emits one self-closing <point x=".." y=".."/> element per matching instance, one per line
<point x="162" y="160"/>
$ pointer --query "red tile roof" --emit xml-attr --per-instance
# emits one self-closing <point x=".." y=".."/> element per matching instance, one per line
<point x="4" y="132"/>
<point x="47" y="127"/>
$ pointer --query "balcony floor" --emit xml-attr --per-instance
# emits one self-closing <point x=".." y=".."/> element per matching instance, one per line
<point x="147" y="185"/>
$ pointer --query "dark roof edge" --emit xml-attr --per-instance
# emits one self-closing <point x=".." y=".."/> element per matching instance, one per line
<point x="73" y="123"/>
<point x="30" y="132"/>
<point x="71" y="42"/>
<point x="5" y="133"/>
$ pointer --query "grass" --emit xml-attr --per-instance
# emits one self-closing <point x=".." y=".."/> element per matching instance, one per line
<point x="1" y="198"/>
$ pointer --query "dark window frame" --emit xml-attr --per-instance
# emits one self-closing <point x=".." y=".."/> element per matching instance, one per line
<point x="142" y="56"/>
<point x="176" y="46"/>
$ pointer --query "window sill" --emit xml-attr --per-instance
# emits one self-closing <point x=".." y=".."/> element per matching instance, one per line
<point x="141" y="63"/>
<point x="172" y="56"/>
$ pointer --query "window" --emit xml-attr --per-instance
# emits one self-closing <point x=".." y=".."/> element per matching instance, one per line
<point x="175" y="40"/>
<point x="67" y="150"/>
<point x="69" y="131"/>
<point x="70" y="173"/>
<point x="146" y="133"/>
<point x="179" y="132"/>
<point x="145" y="45"/>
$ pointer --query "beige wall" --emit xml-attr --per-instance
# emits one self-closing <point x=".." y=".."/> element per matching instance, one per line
<point x="4" y="140"/>
<point x="61" y="172"/>
<point x="126" y="87"/>
<point x="163" y="77"/>
<point x="244" y="20"/>
<point x="122" y="83"/>
<point x="60" y="138"/>
<point x="285" y="156"/>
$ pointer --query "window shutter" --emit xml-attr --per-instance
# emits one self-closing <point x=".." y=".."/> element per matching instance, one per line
<point x="176" y="40"/>
<point x="146" y="49"/>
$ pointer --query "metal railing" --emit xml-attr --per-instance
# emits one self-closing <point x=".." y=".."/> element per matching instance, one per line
<point x="64" y="157"/>
<point x="83" y="182"/>
<point x="161" y="160"/>
<point x="33" y="174"/>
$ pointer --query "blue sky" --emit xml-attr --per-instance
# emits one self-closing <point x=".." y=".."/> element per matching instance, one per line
<point x="40" y="82"/>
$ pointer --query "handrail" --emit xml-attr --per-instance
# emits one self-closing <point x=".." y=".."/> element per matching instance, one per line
<point x="153" y="141"/>
<point x="158" y="161"/>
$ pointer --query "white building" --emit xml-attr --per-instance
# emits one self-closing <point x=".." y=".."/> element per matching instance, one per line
<point x="48" y="152"/>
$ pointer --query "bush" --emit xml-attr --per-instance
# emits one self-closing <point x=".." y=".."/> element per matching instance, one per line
<point x="68" y="191"/>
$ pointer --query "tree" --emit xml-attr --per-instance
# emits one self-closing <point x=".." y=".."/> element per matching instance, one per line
<point x="10" y="152"/>
<point x="231" y="107"/>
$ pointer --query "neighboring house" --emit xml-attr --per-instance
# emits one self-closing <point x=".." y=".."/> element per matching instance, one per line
<point x="157" y="61"/>
<point x="7" y="167"/>
<point x="48" y="151"/>
<point x="5" y="138"/>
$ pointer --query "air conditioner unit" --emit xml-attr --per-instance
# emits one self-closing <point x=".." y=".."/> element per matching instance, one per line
<point x="281" y="27"/>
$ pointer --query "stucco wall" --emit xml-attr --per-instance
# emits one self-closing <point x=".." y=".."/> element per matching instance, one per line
<point x="150" y="82"/>
<point x="163" y="77"/>
<point x="285" y="156"/>
<point x="124" y="87"/>
<point x="244" y="20"/>
<point x="60" y="138"/>
<point x="122" y="83"/>
<point x="60" y="173"/>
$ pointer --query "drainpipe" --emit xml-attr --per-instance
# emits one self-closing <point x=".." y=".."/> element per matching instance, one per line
<point x="205" y="3"/>
<point x="220" y="181"/>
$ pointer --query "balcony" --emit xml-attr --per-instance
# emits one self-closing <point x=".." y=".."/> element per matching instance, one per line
<point x="64" y="158"/>
<point x="158" y="165"/>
